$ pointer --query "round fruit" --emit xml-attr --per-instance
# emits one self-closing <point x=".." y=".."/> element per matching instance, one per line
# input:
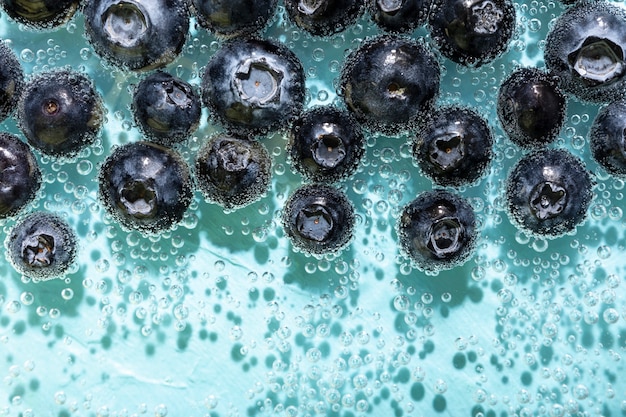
<point x="549" y="192"/>
<point x="234" y="17"/>
<point x="145" y="186"/>
<point x="233" y="172"/>
<point x="608" y="138"/>
<point x="324" y="17"/>
<point x="11" y="81"/>
<point x="399" y="16"/>
<point x="20" y="177"/>
<point x="38" y="14"/>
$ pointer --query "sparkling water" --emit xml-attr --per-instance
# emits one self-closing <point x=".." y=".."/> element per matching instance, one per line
<point x="222" y="317"/>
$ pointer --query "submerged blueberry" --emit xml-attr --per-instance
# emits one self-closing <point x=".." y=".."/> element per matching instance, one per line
<point x="233" y="172"/>
<point x="608" y="138"/>
<point x="166" y="108"/>
<point x="324" y="17"/>
<point x="42" y="246"/>
<point x="60" y="112"/>
<point x="40" y="14"/>
<point x="326" y="144"/>
<point x="318" y="219"/>
<point x="454" y="147"/>
<point x="389" y="82"/>
<point x="233" y="17"/>
<point x="20" y="177"/>
<point x="586" y="49"/>
<point x="437" y="230"/>
<point x="11" y="81"/>
<point x="531" y="107"/>
<point x="145" y="186"/>
<point x="254" y="85"/>
<point x="399" y="16"/>
<point x="472" y="32"/>
<point x="137" y="35"/>
<point x="549" y="192"/>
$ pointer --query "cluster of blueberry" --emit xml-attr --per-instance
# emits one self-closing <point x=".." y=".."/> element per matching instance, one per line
<point x="253" y="86"/>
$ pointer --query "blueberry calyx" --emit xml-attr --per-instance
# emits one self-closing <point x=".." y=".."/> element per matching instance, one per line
<point x="310" y="7"/>
<point x="257" y="82"/>
<point x="445" y="237"/>
<point x="447" y="151"/>
<point x="38" y="250"/>
<point x="314" y="222"/>
<point x="547" y="200"/>
<point x="598" y="61"/>
<point x="485" y="17"/>
<point x="138" y="198"/>
<point x="390" y="6"/>
<point x="233" y="158"/>
<point x="328" y="151"/>
<point x="125" y="23"/>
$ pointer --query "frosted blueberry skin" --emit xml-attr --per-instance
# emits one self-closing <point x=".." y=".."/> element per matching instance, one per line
<point x="472" y="32"/>
<point x="437" y="230"/>
<point x="145" y="187"/>
<point x="326" y="145"/>
<point x="324" y="17"/>
<point x="389" y="82"/>
<point x="253" y="86"/>
<point x="548" y="192"/>
<point x="20" y="177"/>
<point x="233" y="172"/>
<point x="454" y="146"/>
<point x="60" y="112"/>
<point x="233" y="17"/>
<point x="399" y="16"/>
<point x="11" y="81"/>
<point x="166" y="108"/>
<point x="318" y="219"/>
<point x="41" y="14"/>
<point x="608" y="138"/>
<point x="42" y="246"/>
<point x="586" y="47"/>
<point x="137" y="35"/>
<point x="531" y="108"/>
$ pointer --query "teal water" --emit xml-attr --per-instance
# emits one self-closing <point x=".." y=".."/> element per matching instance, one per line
<point x="221" y="317"/>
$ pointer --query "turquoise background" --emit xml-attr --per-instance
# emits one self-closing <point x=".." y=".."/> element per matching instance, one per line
<point x="221" y="317"/>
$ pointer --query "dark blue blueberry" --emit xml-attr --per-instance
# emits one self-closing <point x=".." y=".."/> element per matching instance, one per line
<point x="166" y="108"/>
<point x="233" y="172"/>
<point x="437" y="230"/>
<point x="20" y="177"/>
<point x="11" y="81"/>
<point x="42" y="246"/>
<point x="548" y="192"/>
<point x="472" y="32"/>
<point x="253" y="85"/>
<point x="145" y="186"/>
<point x="318" y="219"/>
<point x="326" y="144"/>
<point x="585" y="49"/>
<point x="389" y="82"/>
<point x="137" y="35"/>
<point x="324" y="17"/>
<point x="454" y="146"/>
<point x="608" y="138"/>
<point x="233" y="17"/>
<point x="60" y="112"/>
<point x="399" y="16"/>
<point x="531" y="107"/>
<point x="41" y="14"/>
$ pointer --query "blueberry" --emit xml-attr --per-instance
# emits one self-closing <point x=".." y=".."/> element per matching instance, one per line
<point x="253" y="85"/>
<point x="166" y="108"/>
<point x="454" y="146"/>
<point x="324" y="17"/>
<point x="137" y="35"/>
<point x="145" y="186"/>
<point x="548" y="192"/>
<point x="318" y="219"/>
<point x="326" y="144"/>
<point x="42" y="246"/>
<point x="232" y="171"/>
<point x="389" y="82"/>
<point x="608" y="138"/>
<point x="585" y="49"/>
<point x="60" y="112"/>
<point x="20" y="177"/>
<point x="11" y="81"/>
<point x="41" y="14"/>
<point x="234" y="17"/>
<point x="472" y="32"/>
<point x="437" y="230"/>
<point x="399" y="16"/>
<point x="531" y="107"/>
